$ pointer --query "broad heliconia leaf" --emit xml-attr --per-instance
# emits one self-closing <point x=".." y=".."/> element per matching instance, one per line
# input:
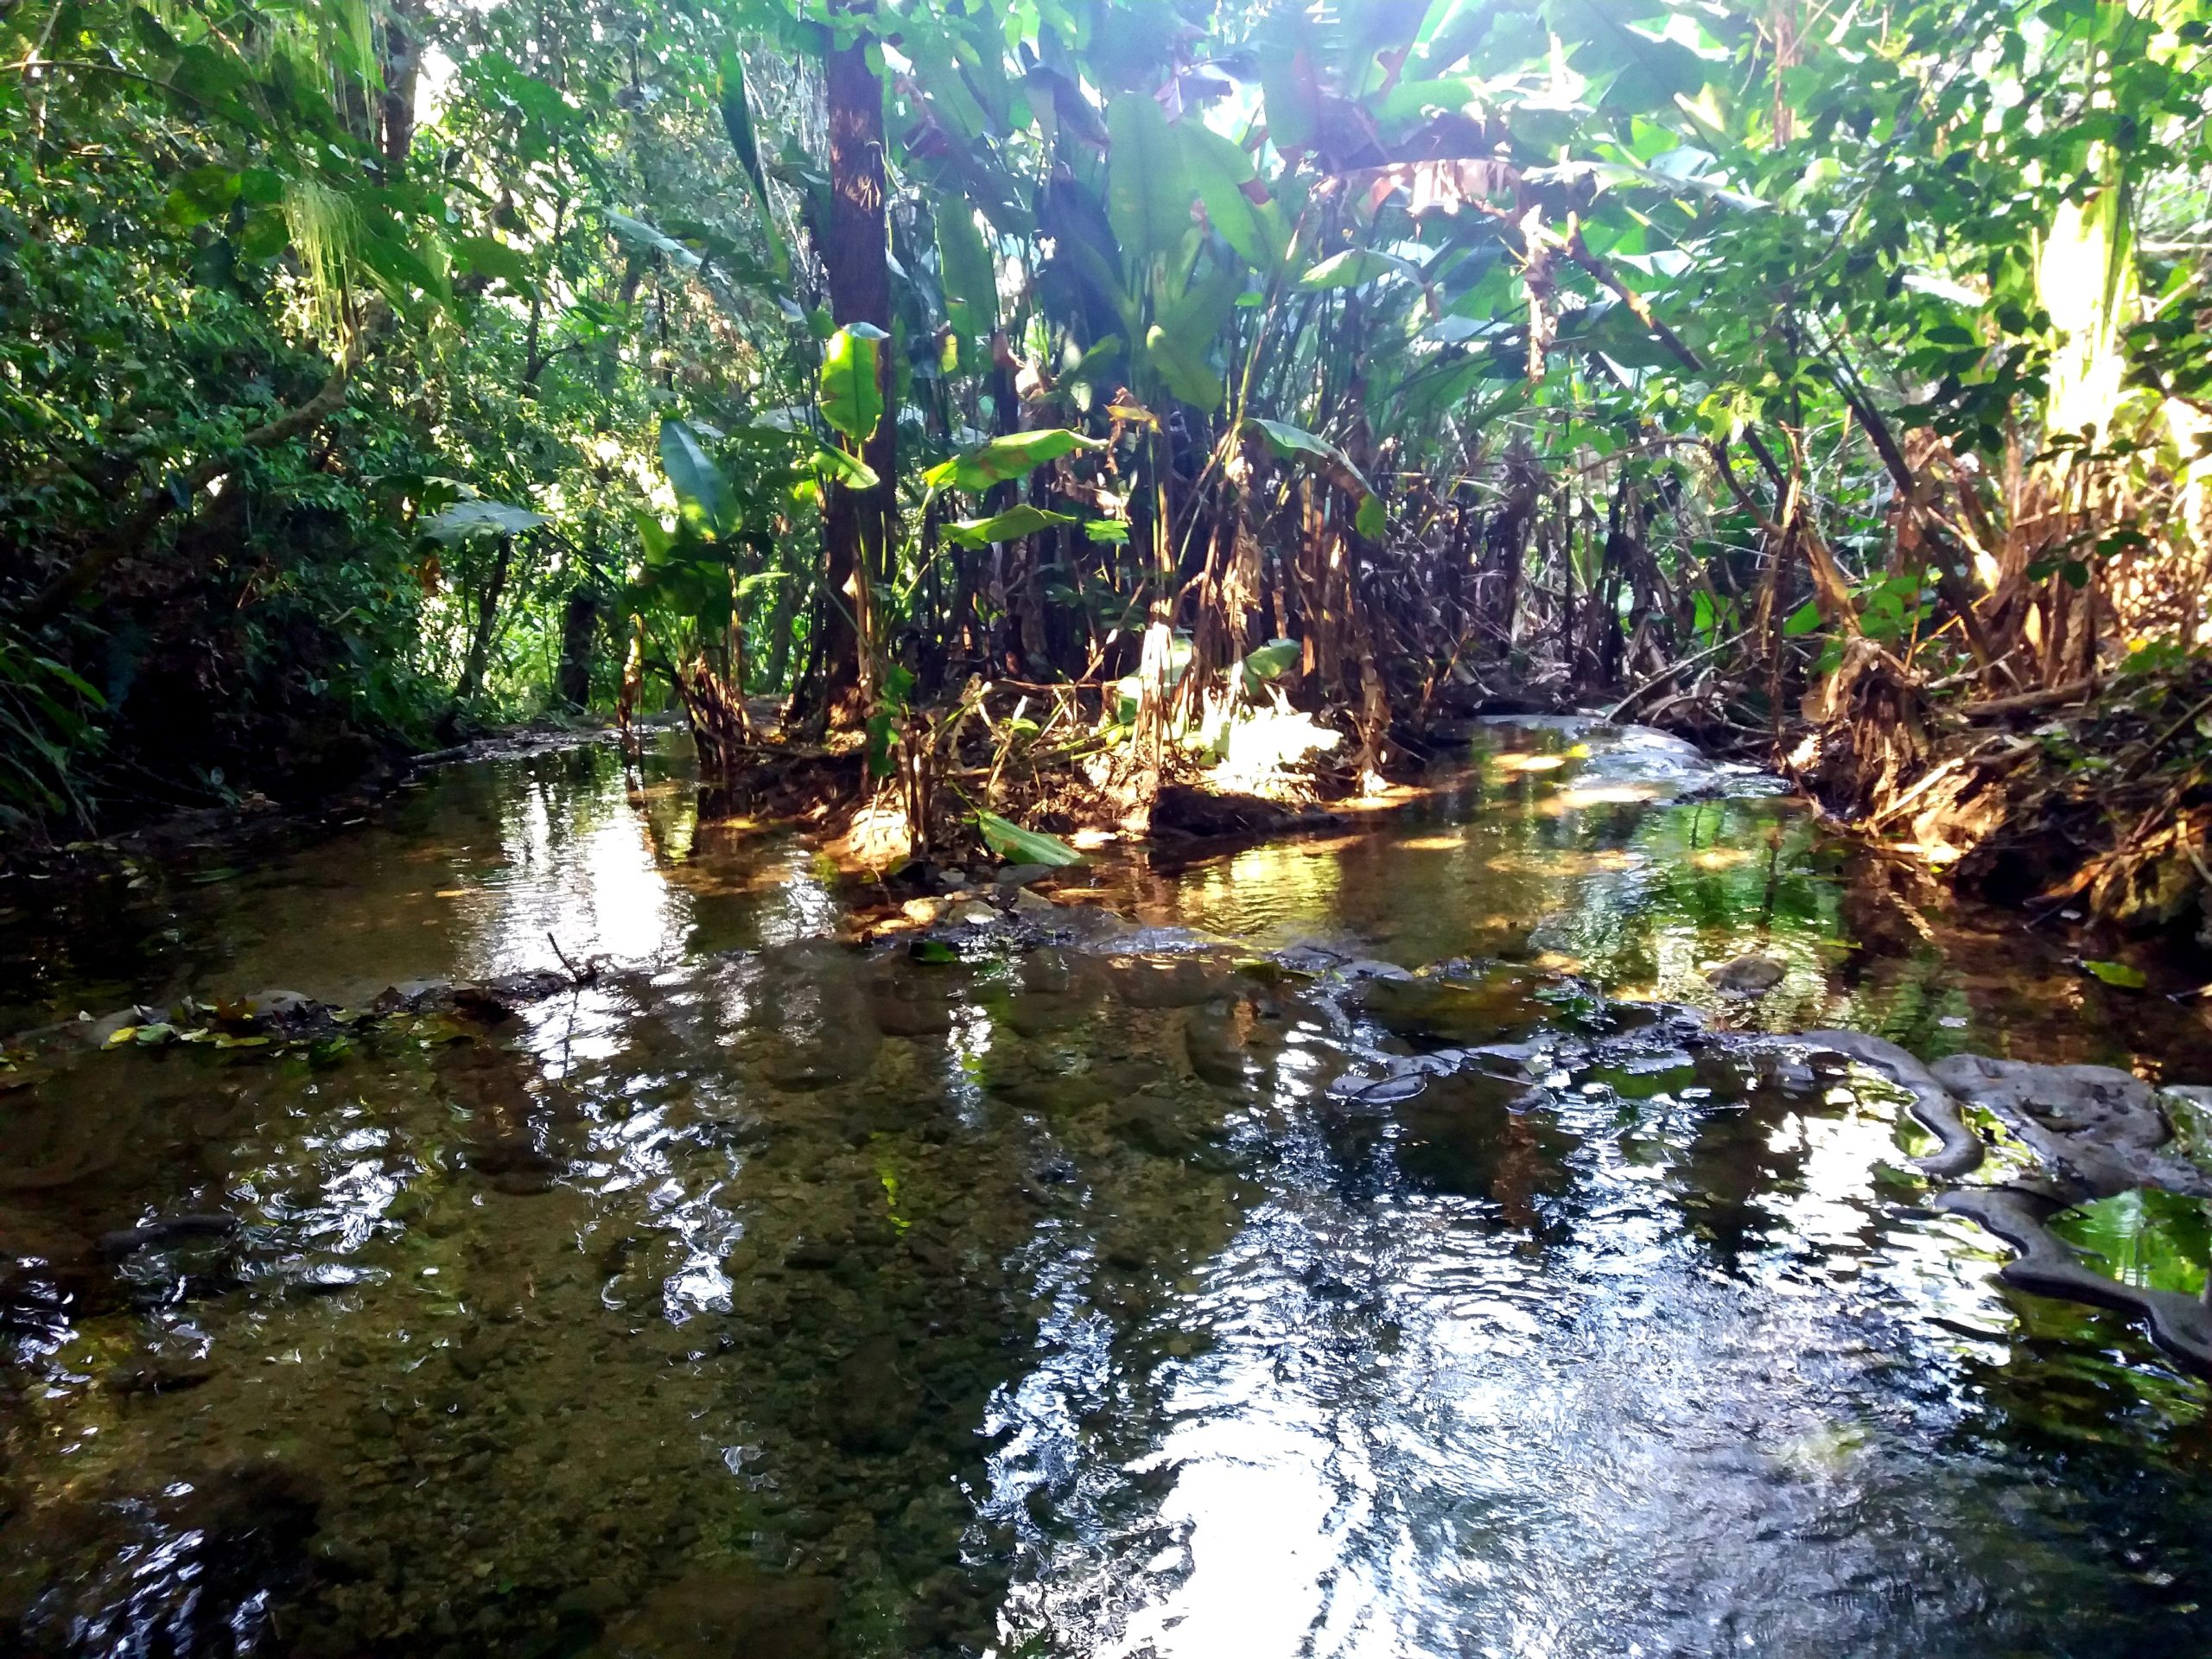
<point x="737" y="120"/>
<point x="852" y="384"/>
<point x="1015" y="523"/>
<point x="656" y="538"/>
<point x="1220" y="172"/>
<point x="1369" y="519"/>
<point x="2126" y="977"/>
<point x="1629" y="70"/>
<point x="465" y="519"/>
<point x="835" y="467"/>
<point x="636" y="231"/>
<point x="701" y="493"/>
<point x="1293" y="90"/>
<point x="1271" y="662"/>
<point x="964" y="266"/>
<point x="1196" y="319"/>
<point x="1356" y="267"/>
<point x="1181" y="371"/>
<point x="1147" y="193"/>
<point x="1010" y="841"/>
<point x="1287" y="441"/>
<point x="976" y="470"/>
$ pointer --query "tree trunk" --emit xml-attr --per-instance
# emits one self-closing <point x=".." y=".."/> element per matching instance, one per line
<point x="403" y="67"/>
<point x="856" y="249"/>
<point x="487" y="616"/>
<point x="578" y="628"/>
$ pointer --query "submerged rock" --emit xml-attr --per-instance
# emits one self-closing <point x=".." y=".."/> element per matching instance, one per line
<point x="1183" y="809"/>
<point x="878" y="1407"/>
<point x="174" y="1230"/>
<point x="727" y="1610"/>
<point x="1747" y="975"/>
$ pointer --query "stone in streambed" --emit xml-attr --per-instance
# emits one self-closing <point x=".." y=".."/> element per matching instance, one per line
<point x="730" y="1609"/>
<point x="2101" y="1128"/>
<point x="877" y="1407"/>
<point x="1749" y="975"/>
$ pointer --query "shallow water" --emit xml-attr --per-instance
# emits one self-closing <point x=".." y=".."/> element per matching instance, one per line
<point x="774" y="1296"/>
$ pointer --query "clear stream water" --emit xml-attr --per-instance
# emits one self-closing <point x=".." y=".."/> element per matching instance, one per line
<point x="778" y="1297"/>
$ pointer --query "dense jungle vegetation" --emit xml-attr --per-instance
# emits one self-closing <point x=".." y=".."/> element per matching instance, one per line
<point x="1041" y="393"/>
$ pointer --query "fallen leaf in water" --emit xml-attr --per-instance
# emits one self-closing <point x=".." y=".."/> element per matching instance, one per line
<point x="2118" y="973"/>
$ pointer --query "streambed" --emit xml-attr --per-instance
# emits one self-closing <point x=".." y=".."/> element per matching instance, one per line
<point x="773" y="1295"/>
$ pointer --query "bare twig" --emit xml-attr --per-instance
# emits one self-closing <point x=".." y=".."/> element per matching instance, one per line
<point x="587" y="975"/>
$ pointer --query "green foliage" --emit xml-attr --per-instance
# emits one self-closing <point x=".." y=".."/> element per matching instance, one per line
<point x="1012" y="456"/>
<point x="1586" y="241"/>
<point x="2153" y="1240"/>
<point x="2118" y="973"/>
<point x="464" y="520"/>
<point x="700" y="494"/>
<point x="1015" y="523"/>
<point x="1010" y="841"/>
<point x="852" y="396"/>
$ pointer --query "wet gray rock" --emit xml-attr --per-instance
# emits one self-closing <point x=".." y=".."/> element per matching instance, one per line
<point x="2102" y="1128"/>
<point x="1166" y="982"/>
<point x="514" y="1166"/>
<point x="1309" y="957"/>
<point x="161" y="1377"/>
<point x="1217" y="1056"/>
<point x="2181" y="1324"/>
<point x="160" y="1235"/>
<point x="2098" y="1132"/>
<point x="1932" y="1106"/>
<point x="1748" y="975"/>
<point x="813" y="1256"/>
<point x="1387" y="1091"/>
<point x="328" y="1277"/>
<point x="1154" y="1125"/>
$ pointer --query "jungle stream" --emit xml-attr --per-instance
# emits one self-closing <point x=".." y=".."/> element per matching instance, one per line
<point x="1385" y="1240"/>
